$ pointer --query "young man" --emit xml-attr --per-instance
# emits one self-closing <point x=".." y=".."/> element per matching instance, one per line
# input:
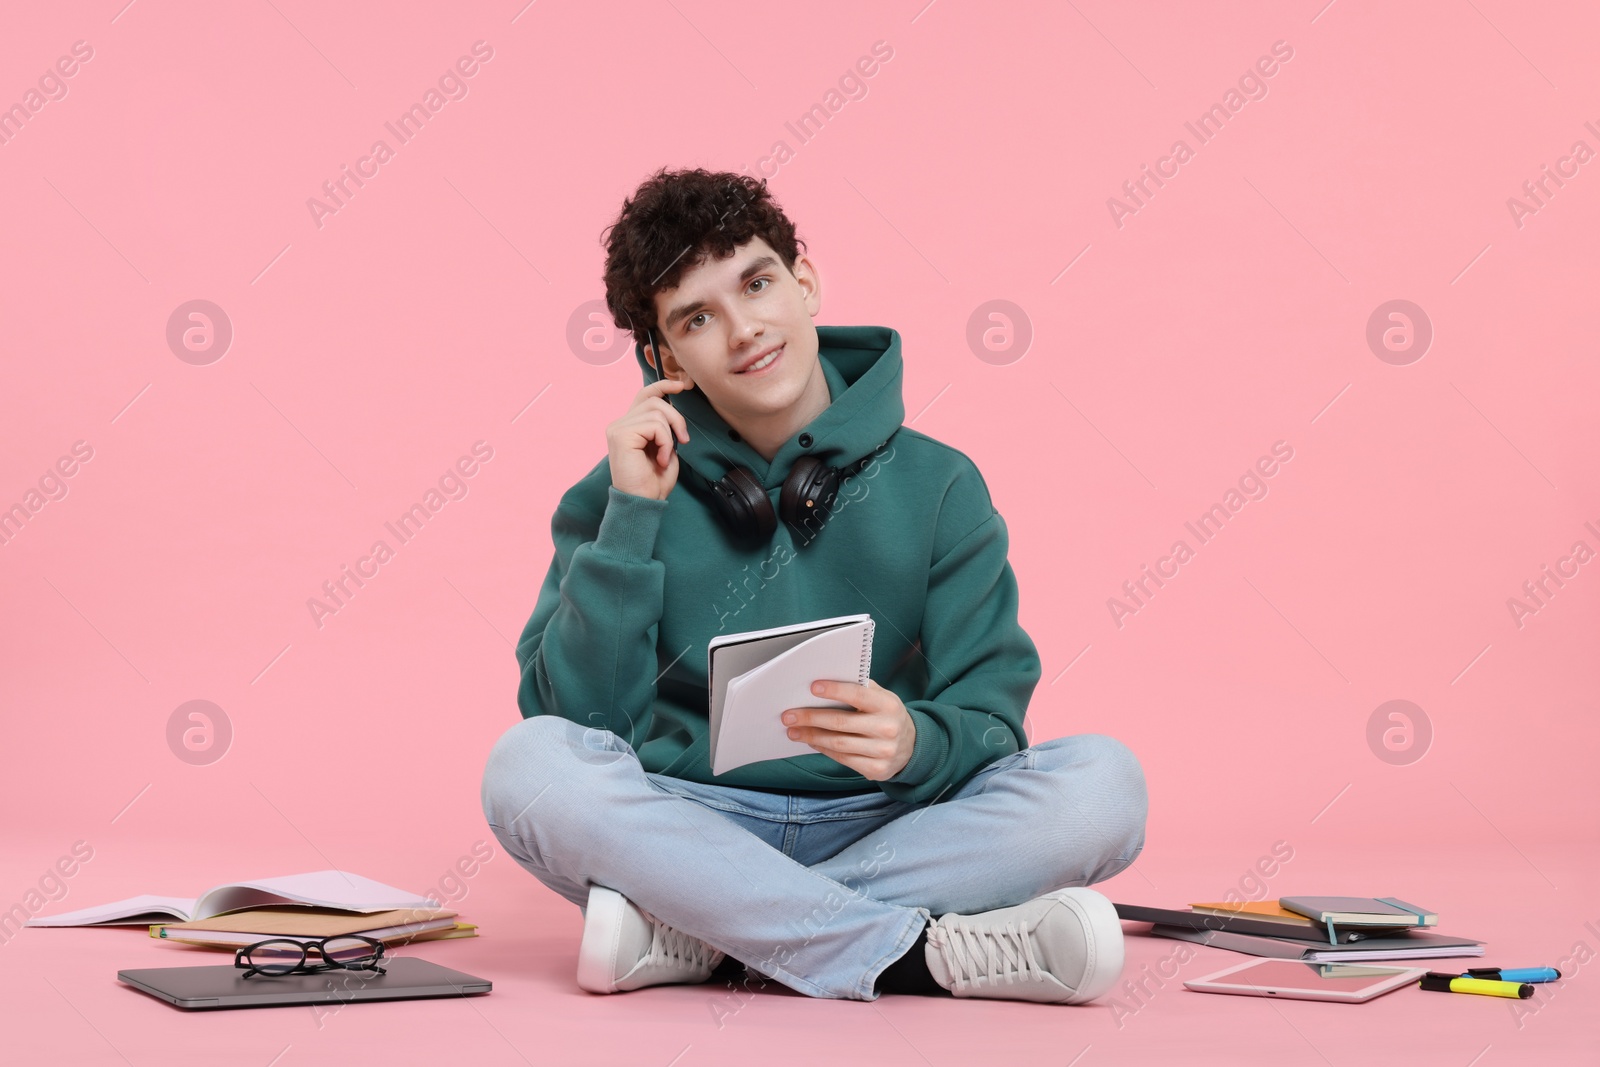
<point x="924" y="847"/>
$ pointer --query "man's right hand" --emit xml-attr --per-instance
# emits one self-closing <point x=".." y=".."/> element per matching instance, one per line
<point x="643" y="459"/>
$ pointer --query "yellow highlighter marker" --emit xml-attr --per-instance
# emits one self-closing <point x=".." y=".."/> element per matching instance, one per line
<point x="1454" y="983"/>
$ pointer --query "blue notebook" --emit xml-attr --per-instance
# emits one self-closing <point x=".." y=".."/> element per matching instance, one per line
<point x="1333" y="912"/>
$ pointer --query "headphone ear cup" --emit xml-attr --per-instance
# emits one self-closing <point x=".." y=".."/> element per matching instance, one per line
<point x="807" y="494"/>
<point x="743" y="505"/>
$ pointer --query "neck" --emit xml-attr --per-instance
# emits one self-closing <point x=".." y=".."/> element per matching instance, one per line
<point x="767" y="434"/>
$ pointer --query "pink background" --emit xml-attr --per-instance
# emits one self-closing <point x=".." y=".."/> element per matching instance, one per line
<point x="1167" y="354"/>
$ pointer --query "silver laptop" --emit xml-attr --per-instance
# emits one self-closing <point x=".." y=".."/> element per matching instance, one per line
<point x="223" y="987"/>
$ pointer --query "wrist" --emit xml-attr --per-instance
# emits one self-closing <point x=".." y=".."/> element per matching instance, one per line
<point x="928" y="750"/>
<point x="905" y="744"/>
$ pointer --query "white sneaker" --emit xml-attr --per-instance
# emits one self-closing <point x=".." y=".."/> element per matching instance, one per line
<point x="623" y="948"/>
<point x="1062" y="948"/>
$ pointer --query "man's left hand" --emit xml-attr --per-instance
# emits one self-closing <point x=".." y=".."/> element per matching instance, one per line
<point x="875" y="740"/>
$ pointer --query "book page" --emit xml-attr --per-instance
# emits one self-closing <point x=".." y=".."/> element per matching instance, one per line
<point x="751" y="726"/>
<point x="325" y="889"/>
<point x="736" y="659"/>
<point x="135" y="911"/>
<point x="730" y="655"/>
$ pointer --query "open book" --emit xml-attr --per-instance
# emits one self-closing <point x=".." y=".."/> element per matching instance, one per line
<point x="758" y="675"/>
<point x="323" y="889"/>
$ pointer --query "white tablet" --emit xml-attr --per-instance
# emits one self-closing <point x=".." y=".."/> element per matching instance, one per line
<point x="1293" y="980"/>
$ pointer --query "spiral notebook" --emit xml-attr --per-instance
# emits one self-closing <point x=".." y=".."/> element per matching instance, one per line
<point x="758" y="675"/>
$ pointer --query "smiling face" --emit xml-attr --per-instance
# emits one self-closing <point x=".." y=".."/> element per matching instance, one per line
<point x="727" y="314"/>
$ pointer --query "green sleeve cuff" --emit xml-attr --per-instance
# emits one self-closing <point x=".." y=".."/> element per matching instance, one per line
<point x="629" y="527"/>
<point x="927" y="753"/>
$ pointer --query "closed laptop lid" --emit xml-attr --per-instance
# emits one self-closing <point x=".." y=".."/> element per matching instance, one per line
<point x="406" y="977"/>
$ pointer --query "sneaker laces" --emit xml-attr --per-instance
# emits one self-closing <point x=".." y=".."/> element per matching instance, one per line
<point x="989" y="954"/>
<point x="669" y="946"/>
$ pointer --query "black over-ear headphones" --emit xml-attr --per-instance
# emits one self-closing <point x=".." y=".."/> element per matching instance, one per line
<point x="804" y="502"/>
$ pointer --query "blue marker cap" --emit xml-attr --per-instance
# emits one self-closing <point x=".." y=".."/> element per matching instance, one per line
<point x="1514" y="974"/>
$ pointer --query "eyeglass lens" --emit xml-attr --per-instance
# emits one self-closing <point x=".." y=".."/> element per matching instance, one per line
<point x="283" y="956"/>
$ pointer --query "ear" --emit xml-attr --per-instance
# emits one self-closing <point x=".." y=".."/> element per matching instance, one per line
<point x="674" y="371"/>
<point x="810" y="281"/>
<point x="651" y="358"/>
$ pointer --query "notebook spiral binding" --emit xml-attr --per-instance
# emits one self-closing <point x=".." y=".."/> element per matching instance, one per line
<point x="865" y="674"/>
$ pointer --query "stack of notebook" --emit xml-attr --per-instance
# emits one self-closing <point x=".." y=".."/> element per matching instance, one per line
<point x="237" y="928"/>
<point x="1313" y="929"/>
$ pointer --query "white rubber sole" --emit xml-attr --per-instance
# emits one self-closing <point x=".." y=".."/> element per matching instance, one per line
<point x="1103" y="933"/>
<point x="602" y="927"/>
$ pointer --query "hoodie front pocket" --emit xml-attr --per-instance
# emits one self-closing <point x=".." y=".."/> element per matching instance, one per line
<point x="695" y="756"/>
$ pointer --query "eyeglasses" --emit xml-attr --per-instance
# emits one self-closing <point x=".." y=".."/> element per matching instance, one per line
<point x="280" y="956"/>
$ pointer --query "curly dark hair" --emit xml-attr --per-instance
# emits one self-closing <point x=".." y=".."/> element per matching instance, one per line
<point x="672" y="223"/>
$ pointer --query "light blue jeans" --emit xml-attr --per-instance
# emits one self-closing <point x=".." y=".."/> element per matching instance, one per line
<point x="819" y="891"/>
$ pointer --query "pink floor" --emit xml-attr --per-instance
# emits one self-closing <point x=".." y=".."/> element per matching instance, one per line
<point x="64" y="1005"/>
<point x="1443" y="474"/>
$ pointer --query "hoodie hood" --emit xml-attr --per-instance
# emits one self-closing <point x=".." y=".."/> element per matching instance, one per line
<point x="863" y="369"/>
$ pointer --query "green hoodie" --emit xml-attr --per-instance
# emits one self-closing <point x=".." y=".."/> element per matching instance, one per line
<point x="638" y="587"/>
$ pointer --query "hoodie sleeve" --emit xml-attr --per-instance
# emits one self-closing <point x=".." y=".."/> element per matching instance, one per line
<point x="982" y="668"/>
<point x="588" y="653"/>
